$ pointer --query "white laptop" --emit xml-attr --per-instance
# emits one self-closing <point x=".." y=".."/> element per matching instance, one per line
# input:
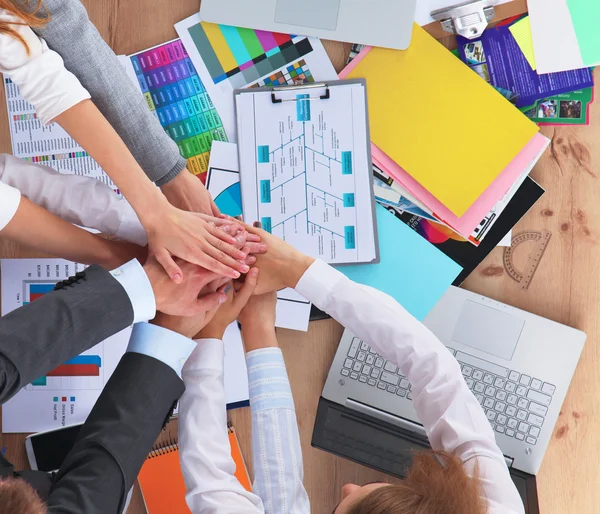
<point x="386" y="23"/>
<point x="518" y="365"/>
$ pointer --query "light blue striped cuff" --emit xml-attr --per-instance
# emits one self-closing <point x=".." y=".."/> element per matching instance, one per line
<point x="268" y="381"/>
<point x="164" y="345"/>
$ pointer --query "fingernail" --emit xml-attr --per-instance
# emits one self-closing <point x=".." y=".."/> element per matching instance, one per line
<point x="263" y="248"/>
<point x="245" y="269"/>
<point x="177" y="278"/>
<point x="222" y="299"/>
<point x="241" y="237"/>
<point x="251" y="259"/>
<point x="227" y="228"/>
<point x="253" y="272"/>
<point x="227" y="289"/>
<point x="236" y="274"/>
<point x="256" y="224"/>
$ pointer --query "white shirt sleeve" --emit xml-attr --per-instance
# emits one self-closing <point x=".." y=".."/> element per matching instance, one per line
<point x="40" y="75"/>
<point x="83" y="201"/>
<point x="10" y="198"/>
<point x="136" y="283"/>
<point x="206" y="463"/>
<point x="452" y="417"/>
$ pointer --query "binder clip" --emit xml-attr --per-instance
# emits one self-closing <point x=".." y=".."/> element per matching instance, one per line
<point x="469" y="19"/>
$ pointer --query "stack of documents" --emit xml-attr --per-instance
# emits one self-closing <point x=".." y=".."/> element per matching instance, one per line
<point x="449" y="152"/>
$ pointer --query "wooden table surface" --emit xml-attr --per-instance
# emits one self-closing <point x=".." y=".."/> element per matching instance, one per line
<point x="565" y="289"/>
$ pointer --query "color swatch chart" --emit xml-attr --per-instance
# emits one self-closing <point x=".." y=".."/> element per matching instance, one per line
<point x="175" y="92"/>
<point x="243" y="56"/>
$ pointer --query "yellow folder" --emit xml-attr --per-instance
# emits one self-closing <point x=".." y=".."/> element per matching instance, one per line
<point x="439" y="120"/>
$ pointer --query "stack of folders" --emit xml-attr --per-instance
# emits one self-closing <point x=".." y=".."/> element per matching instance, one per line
<point x="451" y="155"/>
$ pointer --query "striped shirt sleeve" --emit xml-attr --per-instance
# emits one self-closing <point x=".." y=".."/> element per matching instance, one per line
<point x="276" y="450"/>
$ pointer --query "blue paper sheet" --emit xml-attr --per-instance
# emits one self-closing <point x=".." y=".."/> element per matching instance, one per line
<point x="411" y="270"/>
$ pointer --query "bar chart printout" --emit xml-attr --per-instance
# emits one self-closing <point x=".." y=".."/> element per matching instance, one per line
<point x="67" y="393"/>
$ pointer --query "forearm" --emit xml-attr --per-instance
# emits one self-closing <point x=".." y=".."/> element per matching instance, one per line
<point x="71" y="33"/>
<point x="276" y="449"/>
<point x="40" y="230"/>
<point x="86" y="124"/>
<point x="206" y="462"/>
<point x="77" y="199"/>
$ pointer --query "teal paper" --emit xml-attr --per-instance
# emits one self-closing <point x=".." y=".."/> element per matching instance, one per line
<point x="411" y="270"/>
<point x="585" y="15"/>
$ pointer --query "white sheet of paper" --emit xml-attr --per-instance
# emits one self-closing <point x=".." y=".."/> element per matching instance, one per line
<point x="554" y="40"/>
<point x="506" y="240"/>
<point x="49" y="145"/>
<point x="425" y="7"/>
<point x="293" y="311"/>
<point x="62" y="400"/>
<point x="221" y="92"/>
<point x="305" y="170"/>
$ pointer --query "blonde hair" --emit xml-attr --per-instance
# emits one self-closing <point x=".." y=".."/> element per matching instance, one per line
<point x="436" y="484"/>
<point x="18" y="497"/>
<point x="30" y="17"/>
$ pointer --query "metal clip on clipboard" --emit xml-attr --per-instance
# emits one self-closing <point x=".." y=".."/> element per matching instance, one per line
<point x="321" y="85"/>
<point x="468" y="19"/>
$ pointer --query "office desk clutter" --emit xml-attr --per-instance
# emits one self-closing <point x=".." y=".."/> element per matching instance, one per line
<point x="404" y="171"/>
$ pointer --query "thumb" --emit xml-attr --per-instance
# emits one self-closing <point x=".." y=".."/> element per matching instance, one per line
<point x="166" y="261"/>
<point x="208" y="303"/>
<point x="245" y="292"/>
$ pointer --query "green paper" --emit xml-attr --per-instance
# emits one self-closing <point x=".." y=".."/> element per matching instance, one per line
<point x="585" y="15"/>
<point x="565" y="109"/>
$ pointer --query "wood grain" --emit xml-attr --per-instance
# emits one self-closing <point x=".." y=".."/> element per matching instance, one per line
<point x="565" y="289"/>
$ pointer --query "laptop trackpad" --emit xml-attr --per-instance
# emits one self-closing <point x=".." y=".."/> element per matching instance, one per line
<point x="317" y="14"/>
<point x="489" y="330"/>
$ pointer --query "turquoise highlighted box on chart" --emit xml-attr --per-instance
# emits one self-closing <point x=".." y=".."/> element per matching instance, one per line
<point x="346" y="163"/>
<point x="303" y="107"/>
<point x="266" y="224"/>
<point x="265" y="191"/>
<point x="350" y="237"/>
<point x="263" y="154"/>
<point x="348" y="199"/>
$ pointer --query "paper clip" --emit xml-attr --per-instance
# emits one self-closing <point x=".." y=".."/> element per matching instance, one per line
<point x="276" y="100"/>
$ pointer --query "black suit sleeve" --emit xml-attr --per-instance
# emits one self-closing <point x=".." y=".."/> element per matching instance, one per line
<point x="116" y="438"/>
<point x="36" y="338"/>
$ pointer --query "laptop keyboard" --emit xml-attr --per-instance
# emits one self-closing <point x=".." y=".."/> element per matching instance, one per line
<point x="515" y="404"/>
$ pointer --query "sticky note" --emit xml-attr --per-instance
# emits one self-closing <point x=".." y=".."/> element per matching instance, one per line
<point x="438" y="120"/>
<point x="411" y="270"/>
<point x="521" y="31"/>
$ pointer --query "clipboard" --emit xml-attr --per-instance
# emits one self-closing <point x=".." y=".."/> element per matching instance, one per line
<point x="306" y="168"/>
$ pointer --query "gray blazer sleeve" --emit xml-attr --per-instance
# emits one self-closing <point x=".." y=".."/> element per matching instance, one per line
<point x="71" y="33"/>
<point x="36" y="338"/>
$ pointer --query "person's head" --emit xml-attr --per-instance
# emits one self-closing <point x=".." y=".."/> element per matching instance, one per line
<point x="30" y="16"/>
<point x="436" y="484"/>
<point x="18" y="497"/>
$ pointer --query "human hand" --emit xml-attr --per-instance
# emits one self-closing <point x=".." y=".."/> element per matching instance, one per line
<point x="120" y="252"/>
<point x="189" y="326"/>
<point x="182" y="299"/>
<point x="191" y="237"/>
<point x="230" y="310"/>
<point x="281" y="265"/>
<point x="188" y="193"/>
<point x="258" y="322"/>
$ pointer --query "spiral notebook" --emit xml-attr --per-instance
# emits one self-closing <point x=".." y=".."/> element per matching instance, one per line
<point x="161" y="480"/>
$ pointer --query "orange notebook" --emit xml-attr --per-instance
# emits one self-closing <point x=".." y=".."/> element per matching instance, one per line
<point x="162" y="483"/>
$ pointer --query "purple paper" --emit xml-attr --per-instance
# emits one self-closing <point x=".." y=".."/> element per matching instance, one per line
<point x="497" y="58"/>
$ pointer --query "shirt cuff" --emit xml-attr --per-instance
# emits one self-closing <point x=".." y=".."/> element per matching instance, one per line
<point x="134" y="280"/>
<point x="268" y="381"/>
<point x="164" y="345"/>
<point x="318" y="282"/>
<point x="209" y="354"/>
<point x="11" y="198"/>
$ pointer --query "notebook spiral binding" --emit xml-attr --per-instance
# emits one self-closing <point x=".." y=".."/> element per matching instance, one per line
<point x="169" y="446"/>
